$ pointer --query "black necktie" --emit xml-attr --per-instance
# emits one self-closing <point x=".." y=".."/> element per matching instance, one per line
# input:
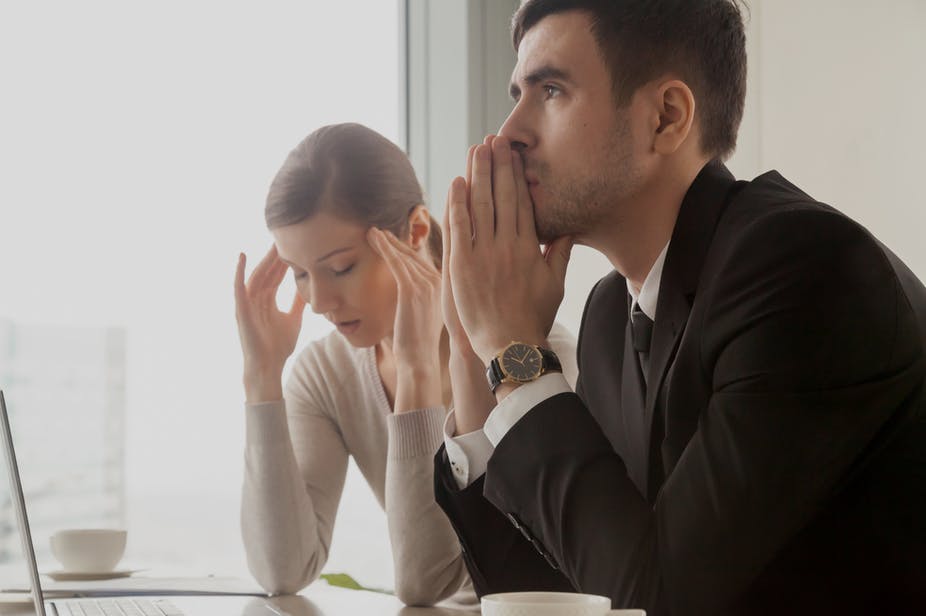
<point x="642" y="328"/>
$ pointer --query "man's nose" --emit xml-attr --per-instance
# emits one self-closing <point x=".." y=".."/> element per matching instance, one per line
<point x="516" y="129"/>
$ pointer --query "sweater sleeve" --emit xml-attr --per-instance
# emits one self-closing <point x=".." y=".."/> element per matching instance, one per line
<point x="295" y="466"/>
<point x="428" y="564"/>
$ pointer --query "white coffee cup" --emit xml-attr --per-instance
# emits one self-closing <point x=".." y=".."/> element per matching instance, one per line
<point x="550" y="604"/>
<point x="96" y="550"/>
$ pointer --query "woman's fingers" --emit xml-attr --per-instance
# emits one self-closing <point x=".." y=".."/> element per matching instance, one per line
<point x="241" y="292"/>
<point x="405" y="250"/>
<point x="298" y="306"/>
<point x="256" y="279"/>
<point x="275" y="276"/>
<point x="390" y="255"/>
<point x="420" y="258"/>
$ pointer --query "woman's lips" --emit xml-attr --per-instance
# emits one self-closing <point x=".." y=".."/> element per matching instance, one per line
<point x="348" y="327"/>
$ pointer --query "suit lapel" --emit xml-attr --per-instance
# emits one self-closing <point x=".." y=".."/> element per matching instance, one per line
<point x="673" y="311"/>
<point x="694" y="229"/>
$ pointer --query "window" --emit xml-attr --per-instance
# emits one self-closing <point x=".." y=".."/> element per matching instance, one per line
<point x="139" y="143"/>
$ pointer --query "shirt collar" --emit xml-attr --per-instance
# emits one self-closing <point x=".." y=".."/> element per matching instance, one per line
<point x="649" y="292"/>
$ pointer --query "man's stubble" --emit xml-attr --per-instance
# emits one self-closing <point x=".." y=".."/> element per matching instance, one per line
<point x="578" y="206"/>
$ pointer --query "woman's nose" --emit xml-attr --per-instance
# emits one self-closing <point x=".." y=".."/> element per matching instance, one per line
<point x="321" y="298"/>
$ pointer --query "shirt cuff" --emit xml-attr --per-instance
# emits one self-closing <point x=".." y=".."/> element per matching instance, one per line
<point x="468" y="453"/>
<point x="519" y="402"/>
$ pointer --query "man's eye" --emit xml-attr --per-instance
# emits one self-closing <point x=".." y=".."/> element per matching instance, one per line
<point x="341" y="272"/>
<point x="550" y="91"/>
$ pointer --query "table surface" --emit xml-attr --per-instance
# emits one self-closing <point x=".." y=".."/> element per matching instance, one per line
<point x="319" y="599"/>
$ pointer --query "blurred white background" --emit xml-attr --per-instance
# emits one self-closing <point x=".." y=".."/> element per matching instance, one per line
<point x="138" y="142"/>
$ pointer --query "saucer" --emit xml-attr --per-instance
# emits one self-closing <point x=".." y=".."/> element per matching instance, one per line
<point x="82" y="576"/>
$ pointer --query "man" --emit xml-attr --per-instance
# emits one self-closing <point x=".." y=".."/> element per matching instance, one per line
<point x="747" y="434"/>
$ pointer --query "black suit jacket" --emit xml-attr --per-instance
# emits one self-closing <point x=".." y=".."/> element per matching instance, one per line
<point x="779" y="465"/>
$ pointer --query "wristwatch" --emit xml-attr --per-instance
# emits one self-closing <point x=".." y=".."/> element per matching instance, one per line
<point x="520" y="362"/>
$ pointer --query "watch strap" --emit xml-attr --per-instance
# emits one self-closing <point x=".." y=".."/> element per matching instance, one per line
<point x="551" y="362"/>
<point x="494" y="374"/>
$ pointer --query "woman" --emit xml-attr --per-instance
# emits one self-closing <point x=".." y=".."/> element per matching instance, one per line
<point x="347" y="217"/>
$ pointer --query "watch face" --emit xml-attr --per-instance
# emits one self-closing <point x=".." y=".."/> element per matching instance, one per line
<point x="521" y="362"/>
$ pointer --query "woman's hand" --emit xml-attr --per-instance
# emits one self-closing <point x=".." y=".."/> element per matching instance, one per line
<point x="268" y="335"/>
<point x="418" y="324"/>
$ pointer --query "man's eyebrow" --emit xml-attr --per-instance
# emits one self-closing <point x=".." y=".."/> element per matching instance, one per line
<point x="536" y="76"/>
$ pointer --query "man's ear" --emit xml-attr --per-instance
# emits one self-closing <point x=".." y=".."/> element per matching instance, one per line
<point x="419" y="227"/>
<point x="675" y="107"/>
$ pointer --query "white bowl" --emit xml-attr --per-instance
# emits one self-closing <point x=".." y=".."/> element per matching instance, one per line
<point x="94" y="550"/>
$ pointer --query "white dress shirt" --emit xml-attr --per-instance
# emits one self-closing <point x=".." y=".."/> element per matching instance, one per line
<point x="469" y="453"/>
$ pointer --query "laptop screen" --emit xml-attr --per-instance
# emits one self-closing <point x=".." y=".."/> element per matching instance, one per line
<point x="19" y="505"/>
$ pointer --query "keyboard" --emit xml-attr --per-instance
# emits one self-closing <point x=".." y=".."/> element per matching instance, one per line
<point x="129" y="606"/>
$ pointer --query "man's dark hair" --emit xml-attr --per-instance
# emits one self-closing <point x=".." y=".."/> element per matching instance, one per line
<point x="702" y="41"/>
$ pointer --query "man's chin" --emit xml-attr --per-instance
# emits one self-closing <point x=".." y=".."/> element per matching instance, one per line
<point x="545" y="238"/>
<point x="546" y="234"/>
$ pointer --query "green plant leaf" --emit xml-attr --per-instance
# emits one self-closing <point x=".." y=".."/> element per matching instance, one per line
<point x="343" y="580"/>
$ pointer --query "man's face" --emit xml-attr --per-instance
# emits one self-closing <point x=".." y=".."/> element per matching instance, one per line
<point x="578" y="148"/>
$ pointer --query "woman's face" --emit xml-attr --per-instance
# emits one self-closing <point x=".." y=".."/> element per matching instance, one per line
<point x="340" y="276"/>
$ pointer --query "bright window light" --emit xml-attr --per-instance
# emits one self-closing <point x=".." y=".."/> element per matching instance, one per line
<point x="138" y="143"/>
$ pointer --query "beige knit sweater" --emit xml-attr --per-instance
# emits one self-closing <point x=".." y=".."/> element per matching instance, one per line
<point x="296" y="461"/>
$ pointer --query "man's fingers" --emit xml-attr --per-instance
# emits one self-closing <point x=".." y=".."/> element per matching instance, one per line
<point x="445" y="236"/>
<point x="459" y="226"/>
<point x="504" y="190"/>
<point x="469" y="170"/>
<point x="525" y="215"/>
<point x="557" y="255"/>
<point x="483" y="210"/>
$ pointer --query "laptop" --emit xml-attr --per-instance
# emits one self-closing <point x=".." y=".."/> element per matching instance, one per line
<point x="130" y="605"/>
